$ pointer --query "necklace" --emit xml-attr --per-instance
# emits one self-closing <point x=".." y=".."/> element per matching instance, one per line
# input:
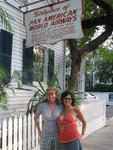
<point x="52" y="108"/>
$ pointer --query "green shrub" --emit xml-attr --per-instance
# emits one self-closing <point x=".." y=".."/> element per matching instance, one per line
<point x="101" y="88"/>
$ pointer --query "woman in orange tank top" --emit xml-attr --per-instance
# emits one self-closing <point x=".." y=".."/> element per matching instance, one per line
<point x="68" y="134"/>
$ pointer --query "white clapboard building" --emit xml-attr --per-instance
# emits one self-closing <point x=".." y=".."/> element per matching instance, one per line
<point x="16" y="57"/>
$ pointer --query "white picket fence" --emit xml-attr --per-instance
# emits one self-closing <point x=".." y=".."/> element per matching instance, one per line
<point x="18" y="133"/>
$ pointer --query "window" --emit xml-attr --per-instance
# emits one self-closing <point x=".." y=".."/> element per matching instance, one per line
<point x="38" y="63"/>
<point x="6" y="39"/>
<point x="27" y="64"/>
<point x="33" y="64"/>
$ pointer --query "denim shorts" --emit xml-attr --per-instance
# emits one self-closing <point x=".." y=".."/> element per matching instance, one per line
<point x="74" y="145"/>
<point x="49" y="141"/>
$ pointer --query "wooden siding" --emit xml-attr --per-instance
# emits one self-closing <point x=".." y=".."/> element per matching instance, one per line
<point x="17" y="102"/>
<point x="59" y="60"/>
<point x="18" y="36"/>
<point x="18" y="30"/>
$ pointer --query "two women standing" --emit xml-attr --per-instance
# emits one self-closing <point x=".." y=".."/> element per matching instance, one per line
<point x="59" y="130"/>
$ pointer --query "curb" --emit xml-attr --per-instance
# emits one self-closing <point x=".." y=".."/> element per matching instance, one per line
<point x="109" y="120"/>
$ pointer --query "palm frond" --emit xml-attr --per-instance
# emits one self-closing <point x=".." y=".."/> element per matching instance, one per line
<point x="5" y="19"/>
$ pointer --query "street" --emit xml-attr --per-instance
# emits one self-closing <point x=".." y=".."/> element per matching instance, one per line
<point x="109" y="111"/>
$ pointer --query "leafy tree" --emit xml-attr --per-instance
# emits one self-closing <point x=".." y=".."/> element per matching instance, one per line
<point x="100" y="62"/>
<point x="98" y="13"/>
<point x="104" y="65"/>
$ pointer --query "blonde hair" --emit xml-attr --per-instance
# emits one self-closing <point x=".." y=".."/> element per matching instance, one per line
<point x="49" y="89"/>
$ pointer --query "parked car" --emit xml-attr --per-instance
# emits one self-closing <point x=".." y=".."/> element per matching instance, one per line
<point x="89" y="97"/>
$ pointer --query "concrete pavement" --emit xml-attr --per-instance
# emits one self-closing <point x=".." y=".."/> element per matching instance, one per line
<point x="101" y="139"/>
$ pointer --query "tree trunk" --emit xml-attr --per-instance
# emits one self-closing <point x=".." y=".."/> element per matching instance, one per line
<point x="73" y="80"/>
<point x="75" y="64"/>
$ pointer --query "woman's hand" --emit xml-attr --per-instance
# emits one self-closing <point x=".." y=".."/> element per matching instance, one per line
<point x="40" y="132"/>
<point x="82" y="136"/>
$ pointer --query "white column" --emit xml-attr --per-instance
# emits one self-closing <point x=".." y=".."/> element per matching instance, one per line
<point x="82" y="78"/>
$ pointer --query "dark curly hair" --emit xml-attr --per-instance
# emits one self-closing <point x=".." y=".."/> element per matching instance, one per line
<point x="66" y="93"/>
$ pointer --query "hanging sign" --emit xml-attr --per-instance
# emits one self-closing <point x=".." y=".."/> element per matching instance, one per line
<point x="51" y="24"/>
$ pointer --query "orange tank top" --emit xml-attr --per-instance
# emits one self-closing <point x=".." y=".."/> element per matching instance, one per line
<point x="68" y="130"/>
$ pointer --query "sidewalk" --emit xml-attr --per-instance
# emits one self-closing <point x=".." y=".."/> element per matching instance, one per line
<point x="101" y="139"/>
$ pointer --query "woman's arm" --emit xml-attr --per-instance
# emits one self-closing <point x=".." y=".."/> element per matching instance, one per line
<point x="80" y="115"/>
<point x="36" y="119"/>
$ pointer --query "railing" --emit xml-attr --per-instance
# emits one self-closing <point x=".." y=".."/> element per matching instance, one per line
<point x="18" y="133"/>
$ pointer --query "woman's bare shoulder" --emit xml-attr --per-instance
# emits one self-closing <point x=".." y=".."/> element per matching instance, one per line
<point x="77" y="108"/>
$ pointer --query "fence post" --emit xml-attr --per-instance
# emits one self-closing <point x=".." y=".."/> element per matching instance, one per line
<point x="10" y="134"/>
<point x="15" y="133"/>
<point x="4" y="135"/>
<point x="33" y="130"/>
<point x="20" y="134"/>
<point x="29" y="132"/>
<point x="24" y="133"/>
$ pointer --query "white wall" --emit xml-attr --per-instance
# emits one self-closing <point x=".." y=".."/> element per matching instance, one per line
<point x="104" y="96"/>
<point x="95" y="114"/>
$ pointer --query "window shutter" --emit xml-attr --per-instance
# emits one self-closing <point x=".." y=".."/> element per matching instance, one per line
<point x="27" y="64"/>
<point x="6" y="39"/>
<point x="50" y="64"/>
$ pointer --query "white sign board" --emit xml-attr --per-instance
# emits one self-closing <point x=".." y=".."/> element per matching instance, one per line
<point x="51" y="24"/>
